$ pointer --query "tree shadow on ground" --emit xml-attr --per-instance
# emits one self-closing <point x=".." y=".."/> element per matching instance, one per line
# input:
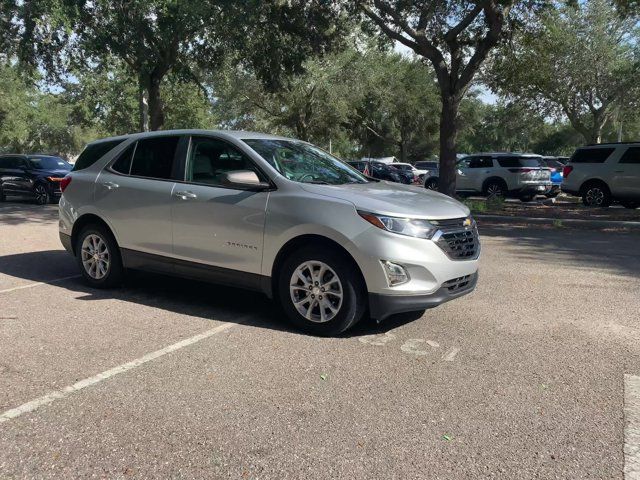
<point x="615" y="252"/>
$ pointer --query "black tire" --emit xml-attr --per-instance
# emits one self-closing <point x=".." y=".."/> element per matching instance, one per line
<point x="596" y="194"/>
<point x="495" y="189"/>
<point x="526" y="198"/>
<point x="552" y="195"/>
<point x="354" y="296"/>
<point x="3" y="198"/>
<point x="431" y="184"/>
<point x="115" y="271"/>
<point x="630" y="204"/>
<point x="42" y="195"/>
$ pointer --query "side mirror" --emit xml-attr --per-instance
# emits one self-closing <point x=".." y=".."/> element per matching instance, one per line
<point x="244" y="180"/>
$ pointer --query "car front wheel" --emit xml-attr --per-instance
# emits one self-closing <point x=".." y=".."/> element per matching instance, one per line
<point x="321" y="291"/>
<point x="431" y="184"/>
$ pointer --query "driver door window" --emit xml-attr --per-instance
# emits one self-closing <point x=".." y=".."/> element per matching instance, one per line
<point x="210" y="159"/>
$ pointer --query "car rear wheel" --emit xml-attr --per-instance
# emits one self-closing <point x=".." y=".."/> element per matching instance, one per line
<point x="495" y="189"/>
<point x="431" y="184"/>
<point x="596" y="195"/>
<point x="42" y="194"/>
<point x="321" y="292"/>
<point x="99" y="257"/>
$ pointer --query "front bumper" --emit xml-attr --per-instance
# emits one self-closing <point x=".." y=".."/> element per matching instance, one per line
<point x="383" y="306"/>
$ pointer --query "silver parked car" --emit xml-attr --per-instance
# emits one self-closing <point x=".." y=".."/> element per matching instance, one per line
<point x="267" y="213"/>
<point x="604" y="173"/>
<point x="500" y="175"/>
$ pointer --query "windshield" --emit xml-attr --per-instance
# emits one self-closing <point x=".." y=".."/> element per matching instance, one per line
<point x="302" y="162"/>
<point x="49" y="163"/>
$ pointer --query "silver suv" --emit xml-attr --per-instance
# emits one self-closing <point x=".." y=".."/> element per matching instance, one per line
<point x="604" y="173"/>
<point x="267" y="213"/>
<point x="500" y="175"/>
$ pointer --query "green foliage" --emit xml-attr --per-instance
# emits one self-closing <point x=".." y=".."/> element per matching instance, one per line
<point x="579" y="61"/>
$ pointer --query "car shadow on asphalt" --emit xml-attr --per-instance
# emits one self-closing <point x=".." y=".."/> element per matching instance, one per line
<point x="178" y="295"/>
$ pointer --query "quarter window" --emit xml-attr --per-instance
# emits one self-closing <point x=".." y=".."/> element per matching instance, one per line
<point x="632" y="155"/>
<point x="154" y="157"/>
<point x="210" y="159"/>
<point x="591" y="155"/>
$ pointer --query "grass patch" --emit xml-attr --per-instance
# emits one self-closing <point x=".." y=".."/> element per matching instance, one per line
<point x="490" y="205"/>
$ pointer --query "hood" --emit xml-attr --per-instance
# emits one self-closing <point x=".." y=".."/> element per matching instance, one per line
<point x="394" y="199"/>
<point x="57" y="172"/>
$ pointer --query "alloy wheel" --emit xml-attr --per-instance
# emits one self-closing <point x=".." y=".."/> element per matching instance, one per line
<point x="96" y="259"/>
<point x="594" y="196"/>
<point x="494" y="190"/>
<point x="41" y="195"/>
<point x="316" y="291"/>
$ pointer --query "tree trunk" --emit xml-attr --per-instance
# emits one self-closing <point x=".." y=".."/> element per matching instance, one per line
<point x="403" y="151"/>
<point x="156" y="111"/>
<point x="143" y="108"/>
<point x="448" y="134"/>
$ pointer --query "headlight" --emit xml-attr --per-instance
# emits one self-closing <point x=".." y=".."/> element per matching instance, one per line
<point x="411" y="227"/>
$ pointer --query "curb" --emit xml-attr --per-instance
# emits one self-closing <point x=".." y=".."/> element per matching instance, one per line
<point x="565" y="221"/>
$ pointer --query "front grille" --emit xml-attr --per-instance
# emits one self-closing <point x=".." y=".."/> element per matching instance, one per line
<point x="459" y="243"/>
<point x="457" y="284"/>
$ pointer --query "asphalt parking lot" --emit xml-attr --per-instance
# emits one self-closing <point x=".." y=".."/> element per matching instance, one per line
<point x="525" y="378"/>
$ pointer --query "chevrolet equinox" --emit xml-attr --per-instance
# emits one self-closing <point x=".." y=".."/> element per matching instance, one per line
<point x="267" y="213"/>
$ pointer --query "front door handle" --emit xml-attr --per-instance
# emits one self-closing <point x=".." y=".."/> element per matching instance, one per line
<point x="186" y="195"/>
<point x="110" y="185"/>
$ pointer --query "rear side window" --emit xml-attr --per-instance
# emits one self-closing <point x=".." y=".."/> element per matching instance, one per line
<point x="632" y="155"/>
<point x="154" y="157"/>
<point x="480" y="162"/>
<point x="591" y="155"/>
<point x="92" y="153"/>
<point x="519" y="162"/>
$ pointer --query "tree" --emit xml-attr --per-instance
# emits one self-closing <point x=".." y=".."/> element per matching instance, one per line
<point x="455" y="37"/>
<point x="586" y="66"/>
<point x="181" y="37"/>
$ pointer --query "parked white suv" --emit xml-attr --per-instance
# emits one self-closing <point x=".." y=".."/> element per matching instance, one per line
<point x="604" y="173"/>
<point x="266" y="213"/>
<point x="500" y="175"/>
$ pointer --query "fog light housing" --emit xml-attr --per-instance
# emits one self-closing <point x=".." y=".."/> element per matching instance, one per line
<point x="396" y="274"/>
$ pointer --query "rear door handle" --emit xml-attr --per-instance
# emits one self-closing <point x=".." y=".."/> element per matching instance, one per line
<point x="186" y="195"/>
<point x="110" y="185"/>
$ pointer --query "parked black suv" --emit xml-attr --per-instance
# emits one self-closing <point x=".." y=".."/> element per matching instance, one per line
<point x="379" y="170"/>
<point x="34" y="176"/>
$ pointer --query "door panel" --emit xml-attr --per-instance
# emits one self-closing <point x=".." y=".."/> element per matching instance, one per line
<point x="214" y="224"/>
<point x="138" y="209"/>
<point x="15" y="179"/>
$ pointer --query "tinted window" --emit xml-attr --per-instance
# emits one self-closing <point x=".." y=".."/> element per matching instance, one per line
<point x="123" y="163"/>
<point x="553" y="164"/>
<point x="41" y="162"/>
<point x="154" y="157"/>
<point x="12" y="162"/>
<point x="632" y="155"/>
<point x="517" y="162"/>
<point x="210" y="159"/>
<point x="591" y="155"/>
<point x="481" y="162"/>
<point x="92" y="153"/>
<point x="426" y="165"/>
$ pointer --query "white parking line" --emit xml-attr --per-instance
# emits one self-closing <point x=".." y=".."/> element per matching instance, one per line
<point x="631" y="427"/>
<point x="37" y="284"/>
<point x="125" y="367"/>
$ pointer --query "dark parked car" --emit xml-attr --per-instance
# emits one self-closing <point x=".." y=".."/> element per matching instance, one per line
<point x="34" y="176"/>
<point x="379" y="170"/>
